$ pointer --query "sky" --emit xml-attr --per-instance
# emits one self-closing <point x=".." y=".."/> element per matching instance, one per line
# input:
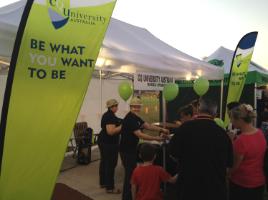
<point x="198" y="27"/>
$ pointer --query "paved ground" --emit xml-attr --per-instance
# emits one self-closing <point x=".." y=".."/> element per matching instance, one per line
<point x="85" y="178"/>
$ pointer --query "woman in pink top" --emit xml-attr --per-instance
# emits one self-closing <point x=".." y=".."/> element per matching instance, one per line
<point x="247" y="176"/>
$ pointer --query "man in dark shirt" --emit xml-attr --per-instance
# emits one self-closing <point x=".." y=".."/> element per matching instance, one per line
<point x="204" y="152"/>
<point x="131" y="132"/>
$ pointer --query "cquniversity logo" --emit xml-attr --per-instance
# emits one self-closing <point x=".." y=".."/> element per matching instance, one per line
<point x="60" y="13"/>
<point x="245" y="49"/>
<point x="56" y="9"/>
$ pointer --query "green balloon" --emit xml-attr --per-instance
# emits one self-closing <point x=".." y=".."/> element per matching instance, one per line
<point x="171" y="90"/>
<point x="125" y="90"/>
<point x="201" y="86"/>
<point x="219" y="122"/>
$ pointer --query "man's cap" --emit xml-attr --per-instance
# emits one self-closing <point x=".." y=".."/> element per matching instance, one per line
<point x="135" y="101"/>
<point x="111" y="102"/>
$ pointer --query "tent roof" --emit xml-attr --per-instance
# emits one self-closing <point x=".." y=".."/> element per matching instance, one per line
<point x="226" y="56"/>
<point x="126" y="49"/>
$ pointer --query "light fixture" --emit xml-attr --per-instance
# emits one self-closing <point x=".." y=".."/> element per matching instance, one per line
<point x="127" y="69"/>
<point x="188" y="77"/>
<point x="100" y="62"/>
<point x="199" y="73"/>
<point x="109" y="63"/>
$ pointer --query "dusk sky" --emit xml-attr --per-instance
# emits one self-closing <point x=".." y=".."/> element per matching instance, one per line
<point x="198" y="27"/>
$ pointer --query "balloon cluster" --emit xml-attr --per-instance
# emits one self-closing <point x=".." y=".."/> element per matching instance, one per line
<point x="170" y="91"/>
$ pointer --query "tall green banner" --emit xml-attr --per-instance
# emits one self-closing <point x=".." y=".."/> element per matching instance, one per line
<point x="240" y="63"/>
<point x="52" y="62"/>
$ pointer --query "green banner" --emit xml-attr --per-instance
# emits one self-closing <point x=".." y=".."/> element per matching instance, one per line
<point x="52" y="62"/>
<point x="239" y="69"/>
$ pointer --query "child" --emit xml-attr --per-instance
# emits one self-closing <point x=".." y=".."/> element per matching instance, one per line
<point x="146" y="178"/>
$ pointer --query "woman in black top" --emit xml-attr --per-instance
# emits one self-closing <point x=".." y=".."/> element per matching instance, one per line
<point x="108" y="143"/>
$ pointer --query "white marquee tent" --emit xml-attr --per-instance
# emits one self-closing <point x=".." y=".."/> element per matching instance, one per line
<point x="226" y="55"/>
<point x="134" y="48"/>
<point x="126" y="49"/>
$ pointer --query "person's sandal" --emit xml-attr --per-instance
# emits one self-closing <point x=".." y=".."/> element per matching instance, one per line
<point x="113" y="191"/>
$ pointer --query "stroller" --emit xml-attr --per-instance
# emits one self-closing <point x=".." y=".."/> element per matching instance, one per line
<point x="83" y="138"/>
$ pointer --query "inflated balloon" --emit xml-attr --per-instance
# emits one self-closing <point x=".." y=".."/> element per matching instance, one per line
<point x="170" y="91"/>
<point x="125" y="90"/>
<point x="219" y="122"/>
<point x="201" y="86"/>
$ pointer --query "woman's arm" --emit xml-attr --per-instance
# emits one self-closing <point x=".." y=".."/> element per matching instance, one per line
<point x="112" y="129"/>
<point x="237" y="161"/>
<point x="144" y="136"/>
<point x="155" y="128"/>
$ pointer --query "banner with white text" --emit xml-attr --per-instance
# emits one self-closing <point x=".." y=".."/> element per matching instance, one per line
<point x="55" y="51"/>
<point x="239" y="70"/>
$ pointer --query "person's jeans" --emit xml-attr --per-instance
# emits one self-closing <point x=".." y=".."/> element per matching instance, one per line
<point x="129" y="164"/>
<point x="108" y="162"/>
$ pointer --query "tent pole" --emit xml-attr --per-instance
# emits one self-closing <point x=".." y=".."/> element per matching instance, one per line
<point x="221" y="99"/>
<point x="255" y="102"/>
<point x="255" y="96"/>
<point x="100" y="73"/>
<point x="164" y="110"/>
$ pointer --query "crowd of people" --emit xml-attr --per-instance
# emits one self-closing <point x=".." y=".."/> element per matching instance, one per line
<point x="212" y="163"/>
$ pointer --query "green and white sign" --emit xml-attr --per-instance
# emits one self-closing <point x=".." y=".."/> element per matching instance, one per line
<point x="52" y="62"/>
<point x="146" y="81"/>
<point x="239" y="70"/>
